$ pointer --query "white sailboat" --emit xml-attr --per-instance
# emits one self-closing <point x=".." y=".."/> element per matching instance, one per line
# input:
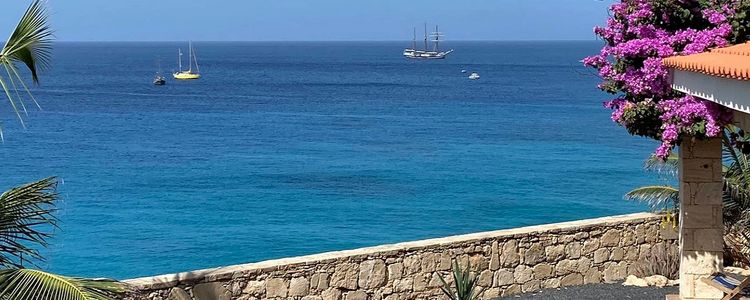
<point x="435" y="53"/>
<point x="189" y="73"/>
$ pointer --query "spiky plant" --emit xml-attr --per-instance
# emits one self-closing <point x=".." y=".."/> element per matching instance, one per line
<point x="464" y="283"/>
<point x="26" y="221"/>
<point x="29" y="44"/>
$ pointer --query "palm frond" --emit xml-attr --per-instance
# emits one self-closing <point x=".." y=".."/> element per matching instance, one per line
<point x="31" y="41"/>
<point x="28" y="284"/>
<point x="666" y="166"/>
<point x="30" y="44"/>
<point x="26" y="221"/>
<point x="656" y="197"/>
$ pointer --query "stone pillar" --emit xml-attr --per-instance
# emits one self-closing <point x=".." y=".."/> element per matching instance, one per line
<point x="701" y="217"/>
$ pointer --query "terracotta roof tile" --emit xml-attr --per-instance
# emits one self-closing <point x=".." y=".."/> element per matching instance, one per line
<point x="730" y="62"/>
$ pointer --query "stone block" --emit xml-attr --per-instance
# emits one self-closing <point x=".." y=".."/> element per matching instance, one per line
<point x="395" y="271"/>
<point x="345" y="276"/>
<point x="356" y="295"/>
<point x="701" y="262"/>
<point x="331" y="294"/>
<point x="485" y="278"/>
<point x="589" y="246"/>
<point x="510" y="257"/>
<point x="495" y="256"/>
<point x="178" y="294"/>
<point x="592" y="276"/>
<point x="319" y="282"/>
<point x="571" y="280"/>
<point x="701" y="216"/>
<point x="543" y="271"/>
<point x="523" y="274"/>
<point x="372" y="274"/>
<point x="611" y="238"/>
<point x="211" y="291"/>
<point x="531" y="286"/>
<point x="601" y="255"/>
<point x="698" y="170"/>
<point x="701" y="240"/>
<point x="276" y="288"/>
<point x="534" y="255"/>
<point x="299" y="286"/>
<point x="573" y="250"/>
<point x="555" y="253"/>
<point x="254" y="288"/>
<point x="503" y="277"/>
<point x="566" y="266"/>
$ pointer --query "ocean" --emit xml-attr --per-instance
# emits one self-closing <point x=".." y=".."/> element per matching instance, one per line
<point x="294" y="148"/>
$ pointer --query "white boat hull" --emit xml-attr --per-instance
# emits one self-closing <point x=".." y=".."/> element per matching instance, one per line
<point x="421" y="54"/>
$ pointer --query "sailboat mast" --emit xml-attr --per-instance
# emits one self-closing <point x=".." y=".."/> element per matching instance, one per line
<point x="195" y="57"/>
<point x="425" y="36"/>
<point x="190" y="56"/>
<point x="414" y="40"/>
<point x="437" y="39"/>
<point x="179" y="59"/>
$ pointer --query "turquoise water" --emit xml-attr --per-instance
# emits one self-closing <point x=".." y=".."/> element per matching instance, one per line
<point x="286" y="149"/>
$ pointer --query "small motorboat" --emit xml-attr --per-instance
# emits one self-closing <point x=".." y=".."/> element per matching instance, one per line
<point x="463" y="71"/>
<point x="159" y="80"/>
<point x="474" y="76"/>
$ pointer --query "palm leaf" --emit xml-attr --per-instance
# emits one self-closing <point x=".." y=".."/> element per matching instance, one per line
<point x="656" y="197"/>
<point x="30" y="44"/>
<point x="666" y="166"/>
<point x="27" y="284"/>
<point x="26" y="221"/>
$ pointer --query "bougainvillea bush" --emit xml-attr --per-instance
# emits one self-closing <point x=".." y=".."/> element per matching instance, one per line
<point x="638" y="35"/>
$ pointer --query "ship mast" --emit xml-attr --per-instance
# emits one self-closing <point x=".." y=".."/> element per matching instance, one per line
<point x="414" y="40"/>
<point x="179" y="58"/>
<point x="437" y="39"/>
<point x="190" y="56"/>
<point x="425" y="36"/>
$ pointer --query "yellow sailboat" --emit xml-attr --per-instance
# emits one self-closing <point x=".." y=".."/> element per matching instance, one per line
<point x="189" y="73"/>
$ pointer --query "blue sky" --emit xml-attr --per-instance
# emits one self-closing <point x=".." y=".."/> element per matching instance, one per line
<point x="294" y="20"/>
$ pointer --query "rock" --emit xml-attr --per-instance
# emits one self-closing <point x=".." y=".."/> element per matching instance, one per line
<point x="551" y="283"/>
<point x="673" y="282"/>
<point x="510" y="258"/>
<point x="571" y="280"/>
<point x="523" y="274"/>
<point x="592" y="276"/>
<point x="566" y="266"/>
<point x="345" y="276"/>
<point x="534" y="255"/>
<point x="573" y="250"/>
<point x="372" y="274"/>
<point x="615" y="272"/>
<point x="312" y="298"/>
<point x="299" y="286"/>
<point x="491" y="293"/>
<point x="555" y="253"/>
<point x="331" y="294"/>
<point x="412" y="265"/>
<point x="356" y="295"/>
<point x="319" y="282"/>
<point x="512" y="290"/>
<point x="445" y="262"/>
<point x="590" y="246"/>
<point x="531" y="286"/>
<point x="503" y="278"/>
<point x="211" y="291"/>
<point x="429" y="262"/>
<point x="395" y="271"/>
<point x="495" y="256"/>
<point x="479" y="263"/>
<point x="633" y="280"/>
<point x="617" y="254"/>
<point x="421" y="281"/>
<point x="276" y="288"/>
<point x="657" y="280"/>
<point x="485" y="278"/>
<point x="601" y="255"/>
<point x="178" y="294"/>
<point x="543" y="271"/>
<point x="403" y="285"/>
<point x="611" y="238"/>
<point x="254" y="288"/>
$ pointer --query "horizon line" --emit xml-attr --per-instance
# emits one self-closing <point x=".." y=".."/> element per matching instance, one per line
<point x="313" y="41"/>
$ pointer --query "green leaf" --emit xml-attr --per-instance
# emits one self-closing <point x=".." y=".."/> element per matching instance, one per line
<point x="27" y="284"/>
<point x="656" y="197"/>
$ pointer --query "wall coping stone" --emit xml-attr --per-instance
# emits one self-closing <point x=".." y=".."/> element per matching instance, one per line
<point x="229" y="272"/>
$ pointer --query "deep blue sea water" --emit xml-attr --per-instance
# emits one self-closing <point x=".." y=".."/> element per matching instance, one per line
<point x="285" y="149"/>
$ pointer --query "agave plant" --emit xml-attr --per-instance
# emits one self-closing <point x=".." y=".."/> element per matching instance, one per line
<point x="26" y="221"/>
<point x="29" y="44"/>
<point x="464" y="284"/>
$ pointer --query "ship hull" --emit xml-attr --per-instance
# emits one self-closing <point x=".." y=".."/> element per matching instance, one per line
<point x="186" y="76"/>
<point x="420" y="54"/>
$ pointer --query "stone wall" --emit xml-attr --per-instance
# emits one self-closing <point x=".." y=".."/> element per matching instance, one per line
<point x="507" y="262"/>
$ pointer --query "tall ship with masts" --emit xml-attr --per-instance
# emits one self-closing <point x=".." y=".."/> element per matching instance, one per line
<point x="189" y="73"/>
<point x="426" y="53"/>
